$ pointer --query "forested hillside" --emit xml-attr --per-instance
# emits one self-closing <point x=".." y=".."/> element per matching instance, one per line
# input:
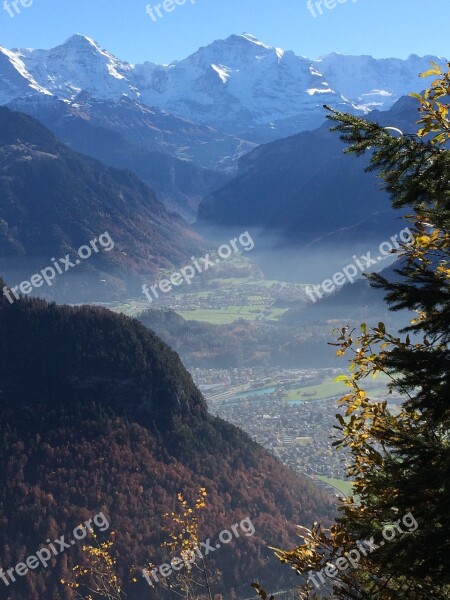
<point x="54" y="200"/>
<point x="99" y="414"/>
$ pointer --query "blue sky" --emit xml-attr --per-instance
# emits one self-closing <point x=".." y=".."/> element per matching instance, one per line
<point x="382" y="28"/>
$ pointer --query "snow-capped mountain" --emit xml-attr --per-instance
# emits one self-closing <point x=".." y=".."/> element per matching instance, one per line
<point x="79" y="65"/>
<point x="15" y="80"/>
<point x="238" y="85"/>
<point x="375" y="83"/>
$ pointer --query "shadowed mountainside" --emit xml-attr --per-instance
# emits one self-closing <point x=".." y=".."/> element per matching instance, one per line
<point x="97" y="414"/>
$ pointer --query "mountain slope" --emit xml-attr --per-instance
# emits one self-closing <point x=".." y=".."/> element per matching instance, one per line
<point x="300" y="341"/>
<point x="79" y="64"/>
<point x="303" y="192"/>
<point x="52" y="201"/>
<point x="125" y="135"/>
<point x="152" y="129"/>
<point x="238" y="85"/>
<point x="97" y="414"/>
<point x="375" y="83"/>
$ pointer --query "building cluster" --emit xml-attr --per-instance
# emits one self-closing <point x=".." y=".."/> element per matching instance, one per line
<point x="300" y="432"/>
<point x="224" y="384"/>
<point x="199" y="297"/>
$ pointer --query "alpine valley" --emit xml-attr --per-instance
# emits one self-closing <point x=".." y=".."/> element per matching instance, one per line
<point x="226" y="382"/>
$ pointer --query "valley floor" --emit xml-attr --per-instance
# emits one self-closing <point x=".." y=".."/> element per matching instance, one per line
<point x="291" y="412"/>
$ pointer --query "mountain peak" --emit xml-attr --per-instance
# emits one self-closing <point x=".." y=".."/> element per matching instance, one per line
<point x="245" y="38"/>
<point x="254" y="40"/>
<point x="251" y="42"/>
<point x="79" y="39"/>
<point x="83" y="43"/>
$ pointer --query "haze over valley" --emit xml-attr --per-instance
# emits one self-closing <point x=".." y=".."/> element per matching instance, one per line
<point x="187" y="252"/>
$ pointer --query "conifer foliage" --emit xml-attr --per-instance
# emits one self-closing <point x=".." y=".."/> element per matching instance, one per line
<point x="399" y="459"/>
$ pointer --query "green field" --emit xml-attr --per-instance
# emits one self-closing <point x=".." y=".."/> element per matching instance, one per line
<point x="343" y="486"/>
<point x="229" y="314"/>
<point x="333" y="388"/>
<point x="321" y="391"/>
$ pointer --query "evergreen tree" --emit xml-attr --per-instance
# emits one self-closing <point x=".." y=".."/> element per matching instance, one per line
<point x="399" y="460"/>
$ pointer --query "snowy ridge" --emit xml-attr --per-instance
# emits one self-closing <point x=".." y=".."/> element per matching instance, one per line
<point x="238" y="85"/>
